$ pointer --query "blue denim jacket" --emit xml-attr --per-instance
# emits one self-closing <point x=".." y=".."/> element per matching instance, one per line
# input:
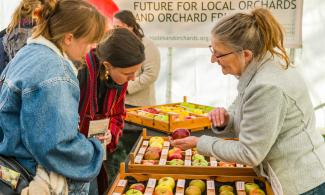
<point x="39" y="96"/>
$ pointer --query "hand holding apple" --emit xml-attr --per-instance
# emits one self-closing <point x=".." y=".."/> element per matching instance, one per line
<point x="184" y="143"/>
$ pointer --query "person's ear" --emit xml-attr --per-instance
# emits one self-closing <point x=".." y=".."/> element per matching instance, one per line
<point x="248" y="55"/>
<point x="68" y="39"/>
<point x="107" y="65"/>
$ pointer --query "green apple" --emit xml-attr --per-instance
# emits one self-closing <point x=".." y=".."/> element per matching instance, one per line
<point x="226" y="188"/>
<point x="175" y="162"/>
<point x="250" y="186"/>
<point x="198" y="157"/>
<point x="133" y="192"/>
<point x="256" y="191"/>
<point x="201" y="163"/>
<point x="168" y="181"/>
<point x="199" y="183"/>
<point x="226" y="193"/>
<point x="163" y="189"/>
<point x="156" y="139"/>
<point x="156" y="144"/>
<point x="193" y="190"/>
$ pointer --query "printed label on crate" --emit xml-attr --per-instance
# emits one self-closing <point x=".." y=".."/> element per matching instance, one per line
<point x="240" y="185"/>
<point x="145" y="143"/>
<point x="166" y="144"/>
<point x="181" y="183"/>
<point x="162" y="161"/>
<point x="239" y="165"/>
<point x="138" y="159"/>
<point x="210" y="185"/>
<point x="142" y="150"/>
<point x="122" y="183"/>
<point x="164" y="152"/>
<point x="214" y="163"/>
<point x="187" y="162"/>
<point x="188" y="152"/>
<point x="151" y="183"/>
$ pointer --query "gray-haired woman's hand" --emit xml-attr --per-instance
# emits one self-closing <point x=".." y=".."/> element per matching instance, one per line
<point x="219" y="117"/>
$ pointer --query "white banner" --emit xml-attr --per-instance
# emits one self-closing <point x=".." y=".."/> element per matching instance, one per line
<point x="188" y="23"/>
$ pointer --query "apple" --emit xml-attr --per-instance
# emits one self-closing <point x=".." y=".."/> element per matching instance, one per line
<point x="168" y="181"/>
<point x="151" y="110"/>
<point x="198" y="183"/>
<point x="175" y="156"/>
<point x="174" y="150"/>
<point x="149" y="162"/>
<point x="256" y="191"/>
<point x="198" y="157"/>
<point x="200" y="162"/>
<point x="193" y="190"/>
<point x="156" y="139"/>
<point x="250" y="186"/>
<point x="226" y="188"/>
<point x="163" y="190"/>
<point x="226" y="164"/>
<point x="156" y="144"/>
<point x="152" y="153"/>
<point x="180" y="133"/>
<point x="138" y="186"/>
<point x="226" y="193"/>
<point x="175" y="162"/>
<point x="133" y="192"/>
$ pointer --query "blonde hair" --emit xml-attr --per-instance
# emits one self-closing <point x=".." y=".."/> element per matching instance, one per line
<point x="25" y="9"/>
<point x="69" y="16"/>
<point x="258" y="31"/>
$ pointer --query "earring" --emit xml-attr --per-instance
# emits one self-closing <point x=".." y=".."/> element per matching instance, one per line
<point x="106" y="74"/>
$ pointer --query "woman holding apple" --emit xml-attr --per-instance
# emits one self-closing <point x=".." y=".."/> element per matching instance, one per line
<point x="272" y="115"/>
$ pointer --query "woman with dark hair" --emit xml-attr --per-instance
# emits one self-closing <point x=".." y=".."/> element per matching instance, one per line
<point x="103" y="83"/>
<point x="141" y="91"/>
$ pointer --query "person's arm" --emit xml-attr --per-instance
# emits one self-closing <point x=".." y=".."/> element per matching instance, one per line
<point x="263" y="114"/>
<point x="49" y="117"/>
<point x="117" y="121"/>
<point x="149" y="70"/>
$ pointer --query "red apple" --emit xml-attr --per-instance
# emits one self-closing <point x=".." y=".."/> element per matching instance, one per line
<point x="175" y="155"/>
<point x="151" y="110"/>
<point x="152" y="153"/>
<point x="180" y="133"/>
<point x="138" y="186"/>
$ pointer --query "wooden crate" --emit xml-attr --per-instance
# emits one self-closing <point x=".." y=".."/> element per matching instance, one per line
<point x="197" y="123"/>
<point x="213" y="182"/>
<point x="136" y="159"/>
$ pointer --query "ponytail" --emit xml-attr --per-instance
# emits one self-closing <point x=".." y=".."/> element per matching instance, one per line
<point x="59" y="17"/>
<point x="44" y="15"/>
<point x="258" y="32"/>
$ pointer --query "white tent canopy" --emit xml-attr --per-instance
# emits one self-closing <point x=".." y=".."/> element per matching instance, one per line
<point x="193" y="75"/>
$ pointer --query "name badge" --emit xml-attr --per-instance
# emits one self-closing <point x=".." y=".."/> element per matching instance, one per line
<point x="99" y="128"/>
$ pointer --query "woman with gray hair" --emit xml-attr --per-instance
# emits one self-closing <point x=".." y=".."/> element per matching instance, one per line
<point x="272" y="115"/>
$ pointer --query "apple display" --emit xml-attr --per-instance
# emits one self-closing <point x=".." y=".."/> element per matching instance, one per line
<point x="163" y="190"/>
<point x="226" y="188"/>
<point x="156" y="144"/>
<point x="152" y="153"/>
<point x="168" y="181"/>
<point x="133" y="192"/>
<point x="175" y="162"/>
<point x="192" y="190"/>
<point x="156" y="139"/>
<point x="200" y="162"/>
<point x="198" y="183"/>
<point x="226" y="193"/>
<point x="138" y="186"/>
<point x="180" y="133"/>
<point x="256" y="191"/>
<point x="198" y="157"/>
<point x="250" y="186"/>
